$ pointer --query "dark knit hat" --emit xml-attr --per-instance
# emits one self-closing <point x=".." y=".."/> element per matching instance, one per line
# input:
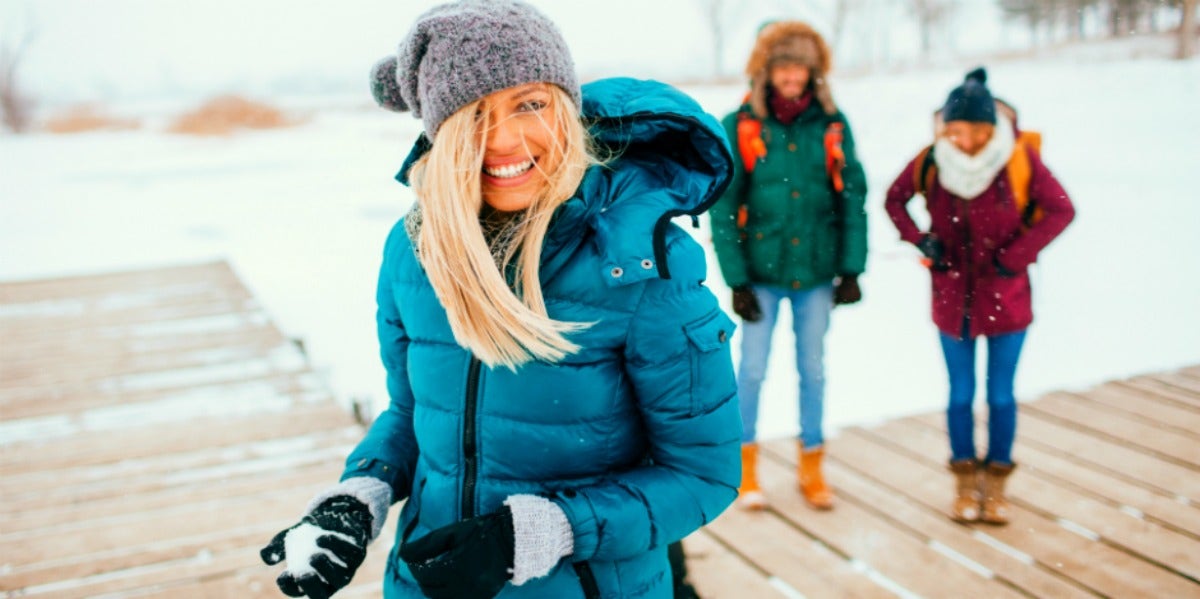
<point x="971" y="101"/>
<point x="459" y="52"/>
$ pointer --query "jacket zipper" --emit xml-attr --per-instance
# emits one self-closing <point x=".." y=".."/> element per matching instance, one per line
<point x="470" y="448"/>
<point x="968" y="267"/>
<point x="587" y="580"/>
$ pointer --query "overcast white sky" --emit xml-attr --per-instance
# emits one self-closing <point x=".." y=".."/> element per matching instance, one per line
<point x="110" y="51"/>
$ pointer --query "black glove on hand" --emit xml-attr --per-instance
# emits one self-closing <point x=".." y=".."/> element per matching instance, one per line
<point x="1001" y="271"/>
<point x="471" y="559"/>
<point x="746" y="304"/>
<point x="847" y="290"/>
<point x="341" y="529"/>
<point x="933" y="249"/>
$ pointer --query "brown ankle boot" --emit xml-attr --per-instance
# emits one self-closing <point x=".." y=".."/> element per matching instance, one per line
<point x="967" y="496"/>
<point x="812" y="479"/>
<point x="750" y="496"/>
<point x="996" y="509"/>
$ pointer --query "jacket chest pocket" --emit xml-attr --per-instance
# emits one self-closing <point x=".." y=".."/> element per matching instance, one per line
<point x="712" y="379"/>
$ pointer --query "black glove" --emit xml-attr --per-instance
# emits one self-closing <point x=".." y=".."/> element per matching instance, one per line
<point x="1001" y="271"/>
<point x="847" y="290"/>
<point x="338" y="517"/>
<point x="471" y="559"/>
<point x="746" y="304"/>
<point x="934" y="250"/>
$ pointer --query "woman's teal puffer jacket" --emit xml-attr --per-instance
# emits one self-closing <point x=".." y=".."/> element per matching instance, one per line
<point x="635" y="437"/>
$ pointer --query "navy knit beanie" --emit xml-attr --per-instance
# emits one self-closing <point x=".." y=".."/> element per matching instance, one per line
<point x="971" y="101"/>
<point x="459" y="52"/>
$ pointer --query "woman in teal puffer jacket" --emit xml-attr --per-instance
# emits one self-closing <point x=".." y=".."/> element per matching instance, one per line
<point x="563" y="404"/>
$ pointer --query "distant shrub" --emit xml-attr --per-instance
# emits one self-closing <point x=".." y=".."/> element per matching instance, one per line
<point x="78" y="119"/>
<point x="224" y="114"/>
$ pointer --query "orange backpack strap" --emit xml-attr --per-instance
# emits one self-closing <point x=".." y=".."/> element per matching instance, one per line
<point x="835" y="157"/>
<point x="749" y="140"/>
<point x="1020" y="173"/>
<point x="925" y="172"/>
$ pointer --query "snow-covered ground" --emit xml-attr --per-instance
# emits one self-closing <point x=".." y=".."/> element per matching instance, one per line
<point x="302" y="213"/>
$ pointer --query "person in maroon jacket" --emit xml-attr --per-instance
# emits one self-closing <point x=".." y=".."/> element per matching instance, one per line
<point x="993" y="206"/>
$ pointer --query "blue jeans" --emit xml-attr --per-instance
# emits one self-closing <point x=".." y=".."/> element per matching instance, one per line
<point x="1003" y="352"/>
<point x="810" y="320"/>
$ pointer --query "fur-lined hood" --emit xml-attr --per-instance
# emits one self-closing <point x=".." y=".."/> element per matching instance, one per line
<point x="795" y="41"/>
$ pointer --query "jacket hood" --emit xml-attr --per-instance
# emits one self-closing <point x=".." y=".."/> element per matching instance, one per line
<point x="653" y="123"/>
<point x="646" y="120"/>
<point x="664" y="157"/>
<point x="669" y="158"/>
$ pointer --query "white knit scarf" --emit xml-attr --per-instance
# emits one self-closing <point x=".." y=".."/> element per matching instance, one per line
<point x="968" y="176"/>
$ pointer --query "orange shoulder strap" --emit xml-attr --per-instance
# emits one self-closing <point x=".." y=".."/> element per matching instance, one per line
<point x="1020" y="172"/>
<point x="924" y="171"/>
<point x="749" y="140"/>
<point x="835" y="156"/>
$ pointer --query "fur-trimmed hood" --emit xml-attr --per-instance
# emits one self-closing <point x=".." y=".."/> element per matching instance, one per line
<point x="794" y="41"/>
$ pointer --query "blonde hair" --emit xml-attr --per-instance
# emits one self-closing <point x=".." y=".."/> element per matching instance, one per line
<point x="499" y="324"/>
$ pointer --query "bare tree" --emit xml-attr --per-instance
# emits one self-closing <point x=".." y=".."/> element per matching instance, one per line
<point x="841" y="13"/>
<point x="1187" y="30"/>
<point x="714" y="13"/>
<point x="1037" y="14"/>
<point x="930" y="14"/>
<point x="16" y="107"/>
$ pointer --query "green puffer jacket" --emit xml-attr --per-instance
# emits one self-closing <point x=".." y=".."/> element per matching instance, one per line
<point x="796" y="235"/>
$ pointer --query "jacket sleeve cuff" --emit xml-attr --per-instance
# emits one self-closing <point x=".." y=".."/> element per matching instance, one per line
<point x="376" y="494"/>
<point x="582" y="518"/>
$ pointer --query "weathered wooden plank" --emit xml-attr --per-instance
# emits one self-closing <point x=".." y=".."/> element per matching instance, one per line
<point x="876" y="542"/>
<point x="75" y="396"/>
<point x="112" y="360"/>
<point x="233" y="485"/>
<point x="1167" y="478"/>
<point x="1176" y="397"/>
<point x="1182" y="395"/>
<point x="717" y="572"/>
<point x="1067" y="410"/>
<point x="161" y="472"/>
<point x="84" y="286"/>
<point x="1151" y="408"/>
<point x="193" y="434"/>
<point x="47" y="334"/>
<point x="1145" y="540"/>
<point x="1130" y="498"/>
<point x="154" y="527"/>
<point x="125" y="563"/>
<point x="1097" y="566"/>
<point x="1188" y="385"/>
<point x="853" y="463"/>
<point x="772" y="545"/>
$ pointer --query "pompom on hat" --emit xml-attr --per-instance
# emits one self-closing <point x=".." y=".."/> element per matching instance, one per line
<point x="971" y="101"/>
<point x="459" y="52"/>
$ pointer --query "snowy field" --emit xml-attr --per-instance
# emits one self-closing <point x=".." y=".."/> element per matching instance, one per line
<point x="302" y="213"/>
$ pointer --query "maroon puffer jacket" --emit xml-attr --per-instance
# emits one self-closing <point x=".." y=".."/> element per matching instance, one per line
<point x="969" y="297"/>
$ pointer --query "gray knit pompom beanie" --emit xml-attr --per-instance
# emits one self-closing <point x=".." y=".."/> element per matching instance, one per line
<point x="459" y="52"/>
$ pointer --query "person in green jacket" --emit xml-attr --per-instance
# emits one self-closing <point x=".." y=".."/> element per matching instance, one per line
<point x="790" y="226"/>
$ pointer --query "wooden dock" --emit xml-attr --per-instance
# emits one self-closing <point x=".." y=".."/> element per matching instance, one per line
<point x="1106" y="497"/>
<point x="156" y="429"/>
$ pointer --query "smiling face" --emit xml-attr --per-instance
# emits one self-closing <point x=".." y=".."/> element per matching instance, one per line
<point x="789" y="79"/>
<point x="970" y="137"/>
<point x="521" y="145"/>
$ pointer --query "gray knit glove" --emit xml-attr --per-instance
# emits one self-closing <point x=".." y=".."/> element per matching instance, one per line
<point x="542" y="536"/>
